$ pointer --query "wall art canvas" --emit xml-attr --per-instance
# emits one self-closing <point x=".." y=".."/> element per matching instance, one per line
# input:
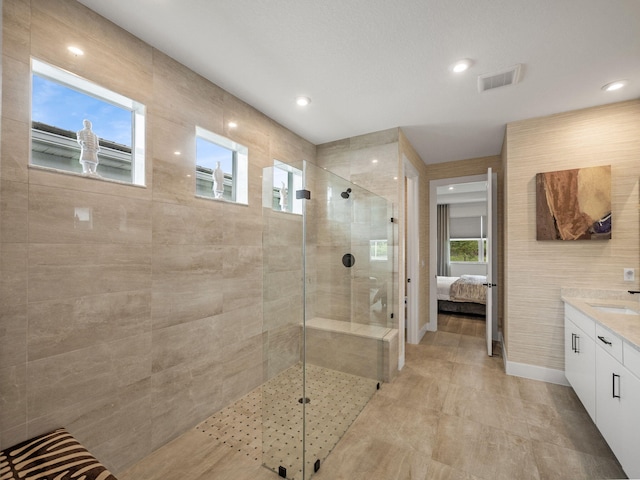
<point x="574" y="204"/>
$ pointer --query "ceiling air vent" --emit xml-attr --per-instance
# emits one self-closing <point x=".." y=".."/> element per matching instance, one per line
<point x="489" y="81"/>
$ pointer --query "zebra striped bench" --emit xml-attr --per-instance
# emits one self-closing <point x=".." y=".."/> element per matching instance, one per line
<point x="53" y="456"/>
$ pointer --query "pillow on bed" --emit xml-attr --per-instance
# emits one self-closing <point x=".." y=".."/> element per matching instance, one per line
<point x="54" y="455"/>
<point x="474" y="278"/>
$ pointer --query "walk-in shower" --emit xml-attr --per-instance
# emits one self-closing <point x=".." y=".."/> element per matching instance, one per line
<point x="329" y="331"/>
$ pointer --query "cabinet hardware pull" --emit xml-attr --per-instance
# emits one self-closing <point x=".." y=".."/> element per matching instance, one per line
<point x="613" y="386"/>
<point x="577" y="350"/>
<point x="573" y="342"/>
<point x="604" y="340"/>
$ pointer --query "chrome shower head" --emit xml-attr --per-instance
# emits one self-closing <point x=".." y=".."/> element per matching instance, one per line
<point x="346" y="194"/>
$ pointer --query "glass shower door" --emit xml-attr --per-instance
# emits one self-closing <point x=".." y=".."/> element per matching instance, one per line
<point x="327" y="277"/>
<point x="348" y="269"/>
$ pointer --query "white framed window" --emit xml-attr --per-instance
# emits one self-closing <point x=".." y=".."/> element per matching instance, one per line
<point x="79" y="126"/>
<point x="378" y="250"/>
<point x="286" y="181"/>
<point x="222" y="168"/>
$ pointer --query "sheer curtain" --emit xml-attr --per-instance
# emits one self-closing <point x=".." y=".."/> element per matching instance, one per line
<point x="443" y="241"/>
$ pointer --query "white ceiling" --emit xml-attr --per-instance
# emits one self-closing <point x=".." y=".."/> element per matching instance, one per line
<point x="369" y="65"/>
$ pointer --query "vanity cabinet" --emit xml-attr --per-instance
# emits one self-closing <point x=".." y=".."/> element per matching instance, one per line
<point x="580" y="358"/>
<point x="604" y="371"/>
<point x="618" y="409"/>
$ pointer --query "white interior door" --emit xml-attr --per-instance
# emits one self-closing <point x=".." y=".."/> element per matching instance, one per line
<point x="492" y="261"/>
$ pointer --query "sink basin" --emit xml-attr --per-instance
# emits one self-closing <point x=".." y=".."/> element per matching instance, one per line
<point x="613" y="309"/>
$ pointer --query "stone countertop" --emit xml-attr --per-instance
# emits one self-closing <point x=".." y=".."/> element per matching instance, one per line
<point x="623" y="325"/>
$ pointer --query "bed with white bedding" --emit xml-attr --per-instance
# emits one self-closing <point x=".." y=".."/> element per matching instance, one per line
<point x="464" y="294"/>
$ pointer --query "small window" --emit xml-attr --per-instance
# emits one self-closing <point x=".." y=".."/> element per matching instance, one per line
<point x="78" y="126"/>
<point x="378" y="250"/>
<point x="221" y="167"/>
<point x="286" y="181"/>
<point x="468" y="250"/>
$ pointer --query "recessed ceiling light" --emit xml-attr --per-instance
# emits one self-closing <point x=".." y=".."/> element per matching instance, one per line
<point x="176" y="152"/>
<point x="450" y="188"/>
<point x="232" y="125"/>
<point x="375" y="160"/>
<point x="461" y="65"/>
<point x="303" y="101"/>
<point x="75" y="50"/>
<point x="610" y="87"/>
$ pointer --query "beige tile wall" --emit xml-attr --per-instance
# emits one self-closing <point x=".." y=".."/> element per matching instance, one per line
<point x="137" y="329"/>
<point x="283" y="290"/>
<point x="351" y="159"/>
<point x="536" y="270"/>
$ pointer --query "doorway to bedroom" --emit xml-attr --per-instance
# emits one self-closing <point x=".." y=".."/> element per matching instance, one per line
<point x="463" y="251"/>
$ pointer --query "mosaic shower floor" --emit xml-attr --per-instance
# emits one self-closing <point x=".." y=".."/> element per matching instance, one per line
<point x="267" y="422"/>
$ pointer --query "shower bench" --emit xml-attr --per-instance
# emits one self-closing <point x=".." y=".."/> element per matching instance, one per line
<point x="365" y="350"/>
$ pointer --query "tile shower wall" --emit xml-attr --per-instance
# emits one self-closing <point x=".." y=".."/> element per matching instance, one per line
<point x="283" y="290"/>
<point x="351" y="159"/>
<point x="137" y="329"/>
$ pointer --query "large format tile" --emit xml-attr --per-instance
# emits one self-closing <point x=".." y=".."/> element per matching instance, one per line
<point x="59" y="382"/>
<point x="573" y="429"/>
<point x="13" y="335"/>
<point x="14" y="278"/>
<point x="16" y="40"/>
<point x="15" y="150"/>
<point x="188" y="283"/>
<point x="555" y="462"/>
<point x="59" y="215"/>
<point x="14" y="211"/>
<point x="64" y="271"/>
<point x="109" y="426"/>
<point x="13" y="394"/>
<point x="485" y="379"/>
<point x="60" y="326"/>
<point x="491" y="409"/>
<point x="179" y="224"/>
<point x="484" y="451"/>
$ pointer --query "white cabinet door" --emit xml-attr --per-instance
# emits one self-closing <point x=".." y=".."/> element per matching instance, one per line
<point x="580" y="365"/>
<point x="618" y="413"/>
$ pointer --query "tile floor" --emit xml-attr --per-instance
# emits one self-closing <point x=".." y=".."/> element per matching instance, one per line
<point x="451" y="413"/>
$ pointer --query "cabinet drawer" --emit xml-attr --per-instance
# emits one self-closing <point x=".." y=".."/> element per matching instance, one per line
<point x="586" y="324"/>
<point x="631" y="359"/>
<point x="609" y="342"/>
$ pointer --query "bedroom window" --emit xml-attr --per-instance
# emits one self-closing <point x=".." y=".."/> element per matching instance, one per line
<point x="468" y="250"/>
<point x="81" y="127"/>
<point x="378" y="250"/>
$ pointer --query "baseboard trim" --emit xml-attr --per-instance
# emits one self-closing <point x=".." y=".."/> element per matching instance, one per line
<point x="533" y="372"/>
<point x="423" y="331"/>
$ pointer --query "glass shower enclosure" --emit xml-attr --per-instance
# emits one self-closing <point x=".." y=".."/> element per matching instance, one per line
<point x="328" y="297"/>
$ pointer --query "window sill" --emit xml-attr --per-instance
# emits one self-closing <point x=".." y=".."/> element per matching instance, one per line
<point x="222" y="200"/>
<point x="83" y="175"/>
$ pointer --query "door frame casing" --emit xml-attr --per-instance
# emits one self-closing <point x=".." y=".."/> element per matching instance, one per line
<point x="412" y="251"/>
